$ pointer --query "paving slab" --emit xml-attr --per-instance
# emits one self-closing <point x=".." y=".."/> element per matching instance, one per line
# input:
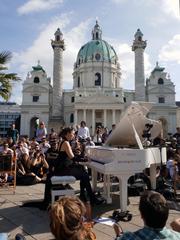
<point x="34" y="223"/>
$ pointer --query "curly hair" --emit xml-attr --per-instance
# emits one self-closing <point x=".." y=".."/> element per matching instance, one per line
<point x="66" y="219"/>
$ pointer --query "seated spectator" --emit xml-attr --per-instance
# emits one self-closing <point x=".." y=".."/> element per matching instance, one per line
<point x="154" y="212"/>
<point x="5" y="150"/>
<point x="172" y="168"/>
<point x="20" y="150"/>
<point x="10" y="142"/>
<point x="52" y="136"/>
<point x="66" y="222"/>
<point x="162" y="186"/>
<point x="52" y="154"/>
<point x="44" y="145"/>
<point x="89" y="142"/>
<point x="177" y="158"/>
<point x="25" y="176"/>
<point x="78" y="147"/>
<point x="177" y="135"/>
<point x="24" y="143"/>
<point x="39" y="165"/>
<point x="33" y="144"/>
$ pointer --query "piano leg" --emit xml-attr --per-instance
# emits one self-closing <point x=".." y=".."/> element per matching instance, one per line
<point x="153" y="176"/>
<point x="94" y="179"/>
<point x="123" y="192"/>
<point x="106" y="189"/>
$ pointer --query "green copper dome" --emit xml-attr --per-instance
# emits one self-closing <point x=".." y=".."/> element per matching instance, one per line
<point x="96" y="49"/>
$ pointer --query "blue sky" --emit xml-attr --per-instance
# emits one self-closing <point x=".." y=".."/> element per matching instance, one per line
<point x="27" y="26"/>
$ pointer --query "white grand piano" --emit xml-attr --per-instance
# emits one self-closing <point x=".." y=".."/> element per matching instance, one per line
<point x="123" y="154"/>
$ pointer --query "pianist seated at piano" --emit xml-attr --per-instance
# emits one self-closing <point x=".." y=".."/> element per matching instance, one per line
<point x="65" y="165"/>
<point x="154" y="212"/>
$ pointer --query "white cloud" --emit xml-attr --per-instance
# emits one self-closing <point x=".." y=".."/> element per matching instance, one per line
<point x="171" y="51"/>
<point x="38" y="5"/>
<point x="41" y="49"/>
<point x="118" y="1"/>
<point x="126" y="60"/>
<point x="171" y="7"/>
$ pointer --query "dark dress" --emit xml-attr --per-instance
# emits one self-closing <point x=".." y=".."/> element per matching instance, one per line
<point x="66" y="167"/>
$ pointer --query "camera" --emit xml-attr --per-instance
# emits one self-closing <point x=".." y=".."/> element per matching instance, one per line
<point x="146" y="132"/>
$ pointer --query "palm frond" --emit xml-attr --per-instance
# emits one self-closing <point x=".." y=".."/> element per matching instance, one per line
<point x="5" y="57"/>
<point x="6" y="79"/>
<point x="5" y="89"/>
<point x="9" y="76"/>
<point x="2" y="68"/>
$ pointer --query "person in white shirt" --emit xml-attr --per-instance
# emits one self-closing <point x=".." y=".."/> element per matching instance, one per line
<point x="44" y="146"/>
<point x="83" y="131"/>
<point x="20" y="150"/>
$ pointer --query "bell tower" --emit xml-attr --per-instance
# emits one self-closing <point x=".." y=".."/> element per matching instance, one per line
<point x="138" y="47"/>
<point x="57" y="99"/>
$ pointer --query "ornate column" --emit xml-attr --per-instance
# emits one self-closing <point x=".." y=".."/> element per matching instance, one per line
<point x="113" y="116"/>
<point x="93" y="121"/>
<point x="138" y="47"/>
<point x="84" y="115"/>
<point x="58" y="48"/>
<point x="105" y="117"/>
<point x="75" y="116"/>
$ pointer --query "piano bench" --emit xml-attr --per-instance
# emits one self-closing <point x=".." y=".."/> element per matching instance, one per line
<point x="61" y="187"/>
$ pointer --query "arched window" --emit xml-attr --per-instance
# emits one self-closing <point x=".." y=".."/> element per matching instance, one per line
<point x="35" y="98"/>
<point x="139" y="38"/>
<point x="98" y="56"/>
<point x="97" y="79"/>
<point x="160" y="81"/>
<point x="57" y="38"/>
<point x="78" y="82"/>
<point x="97" y="35"/>
<point x="71" y="118"/>
<point x="72" y="99"/>
<point x="36" y="80"/>
<point x="161" y="100"/>
<point x="79" y="61"/>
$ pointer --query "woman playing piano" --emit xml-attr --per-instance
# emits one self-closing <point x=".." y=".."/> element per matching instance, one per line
<point x="65" y="165"/>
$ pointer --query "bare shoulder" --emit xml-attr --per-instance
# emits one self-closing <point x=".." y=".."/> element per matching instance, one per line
<point x="65" y="145"/>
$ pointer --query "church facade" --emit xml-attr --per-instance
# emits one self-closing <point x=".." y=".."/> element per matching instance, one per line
<point x="97" y="96"/>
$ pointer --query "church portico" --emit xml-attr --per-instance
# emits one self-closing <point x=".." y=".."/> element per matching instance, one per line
<point x="95" y="116"/>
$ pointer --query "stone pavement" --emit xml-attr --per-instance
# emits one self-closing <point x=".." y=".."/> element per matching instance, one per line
<point x="34" y="223"/>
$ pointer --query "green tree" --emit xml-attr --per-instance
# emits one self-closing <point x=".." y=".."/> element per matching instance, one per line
<point x="6" y="79"/>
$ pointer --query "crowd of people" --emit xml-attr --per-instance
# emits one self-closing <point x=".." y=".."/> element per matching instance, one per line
<point x="45" y="155"/>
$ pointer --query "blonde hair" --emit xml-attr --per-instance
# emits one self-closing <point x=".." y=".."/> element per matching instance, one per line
<point x="66" y="219"/>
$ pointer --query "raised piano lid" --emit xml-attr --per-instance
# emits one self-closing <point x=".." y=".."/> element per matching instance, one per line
<point x="132" y="123"/>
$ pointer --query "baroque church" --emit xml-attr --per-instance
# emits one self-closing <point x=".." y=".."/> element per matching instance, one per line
<point x="97" y="96"/>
